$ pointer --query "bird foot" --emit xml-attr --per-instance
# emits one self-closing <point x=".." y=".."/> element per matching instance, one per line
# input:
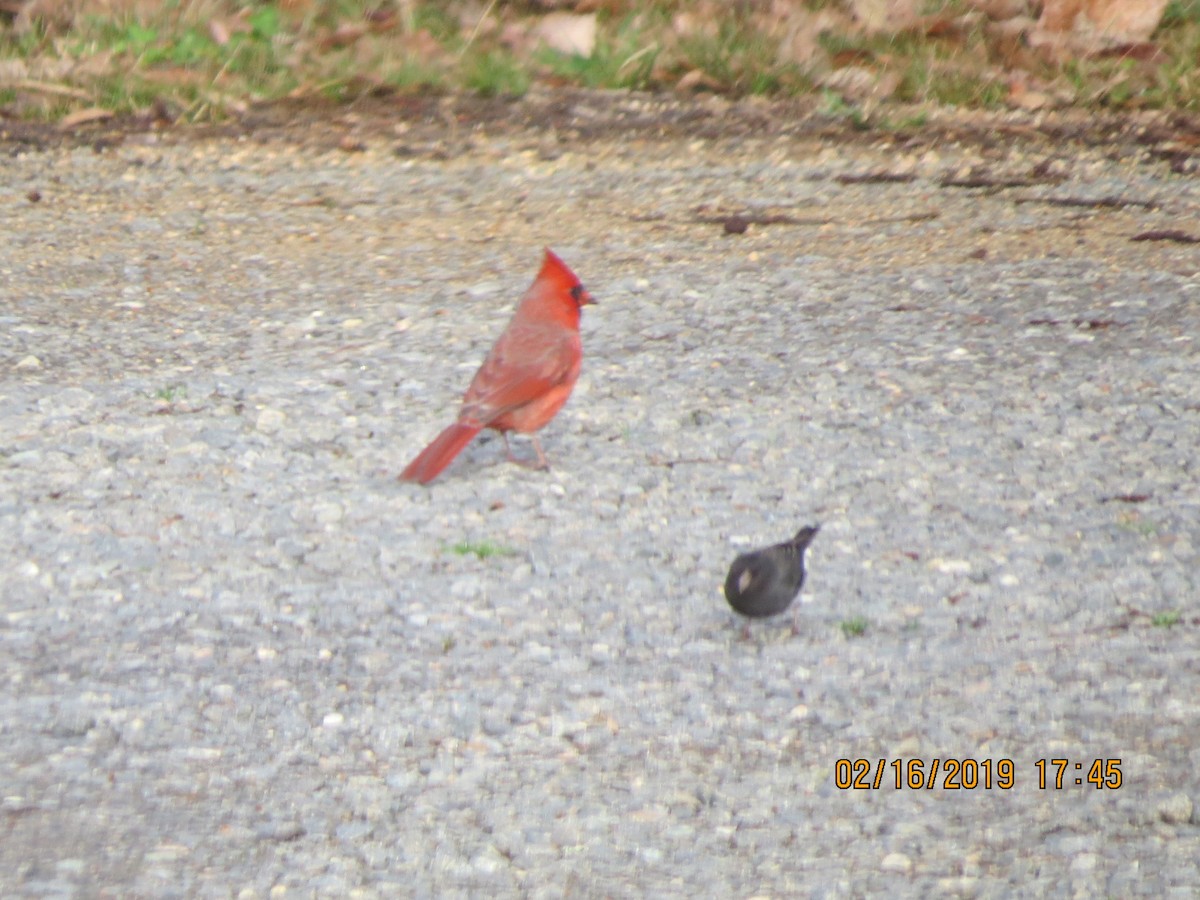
<point x="537" y="464"/>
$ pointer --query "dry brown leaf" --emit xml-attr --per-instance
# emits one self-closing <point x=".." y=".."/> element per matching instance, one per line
<point x="421" y="46"/>
<point x="1128" y="21"/>
<point x="1002" y="10"/>
<point x="885" y="16"/>
<point x="568" y="33"/>
<point x="387" y="19"/>
<point x="45" y="87"/>
<point x="1008" y="43"/>
<point x="948" y="27"/>
<point x="53" y="15"/>
<point x="697" y="79"/>
<point x="478" y="20"/>
<point x="343" y="36"/>
<point x="173" y="76"/>
<point x="695" y="23"/>
<point x="1089" y="26"/>
<point x="84" y="117"/>
<point x="37" y="69"/>
<point x="1022" y="95"/>
<point x="1144" y="51"/>
<point x="13" y="70"/>
<point x="56" y="16"/>
<point x="802" y="30"/>
<point x="517" y="37"/>
<point x="222" y="30"/>
<point x="298" y="9"/>
<point x="1011" y="29"/>
<point x="858" y="83"/>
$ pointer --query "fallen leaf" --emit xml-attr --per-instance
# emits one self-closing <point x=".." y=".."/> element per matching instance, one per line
<point x="885" y="16"/>
<point x="84" y="117"/>
<point x="382" y="19"/>
<point x="1001" y="10"/>
<point x="219" y="32"/>
<point x="696" y="79"/>
<point x="343" y="36"/>
<point x="802" y="30"/>
<point x="1168" y="234"/>
<point x="859" y="83"/>
<point x="1021" y="95"/>
<point x="568" y="33"/>
<point x="1144" y="51"/>
<point x="694" y="24"/>
<point x="1086" y="27"/>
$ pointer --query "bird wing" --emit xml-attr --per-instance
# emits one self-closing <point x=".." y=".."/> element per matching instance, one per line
<point x="525" y="363"/>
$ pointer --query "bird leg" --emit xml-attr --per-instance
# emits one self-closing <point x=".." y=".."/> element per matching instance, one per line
<point x="540" y="463"/>
<point x="543" y="463"/>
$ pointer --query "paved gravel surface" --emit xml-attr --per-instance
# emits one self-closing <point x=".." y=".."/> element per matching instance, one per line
<point x="240" y="659"/>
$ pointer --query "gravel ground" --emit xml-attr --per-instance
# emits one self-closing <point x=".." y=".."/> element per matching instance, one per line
<point x="240" y="659"/>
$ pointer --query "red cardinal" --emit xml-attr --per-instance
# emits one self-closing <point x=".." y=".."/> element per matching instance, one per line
<point x="527" y="376"/>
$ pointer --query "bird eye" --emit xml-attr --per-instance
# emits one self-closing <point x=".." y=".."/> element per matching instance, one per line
<point x="577" y="293"/>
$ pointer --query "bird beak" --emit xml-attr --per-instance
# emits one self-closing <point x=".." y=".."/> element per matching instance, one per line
<point x="582" y="297"/>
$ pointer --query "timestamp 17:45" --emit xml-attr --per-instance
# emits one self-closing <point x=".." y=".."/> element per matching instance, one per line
<point x="970" y="774"/>
<point x="1054" y="773"/>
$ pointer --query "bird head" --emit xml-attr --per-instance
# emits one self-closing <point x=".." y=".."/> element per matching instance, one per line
<point x="555" y="271"/>
<point x="804" y="536"/>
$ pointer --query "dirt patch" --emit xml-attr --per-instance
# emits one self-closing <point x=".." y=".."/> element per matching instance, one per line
<point x="779" y="178"/>
<point x="446" y="125"/>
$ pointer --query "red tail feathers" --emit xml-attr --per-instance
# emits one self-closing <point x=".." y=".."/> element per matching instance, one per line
<point x="440" y="453"/>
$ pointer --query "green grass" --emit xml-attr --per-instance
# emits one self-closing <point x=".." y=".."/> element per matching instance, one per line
<point x="737" y="57"/>
<point x="495" y="73"/>
<point x="1180" y="13"/>
<point x="855" y="627"/>
<point x="438" y="20"/>
<point x="1167" y="619"/>
<point x="835" y="106"/>
<point x="410" y="76"/>
<point x="208" y="58"/>
<point x="171" y="393"/>
<point x="481" y="549"/>
<point x="1133" y="522"/>
<point x="624" y="57"/>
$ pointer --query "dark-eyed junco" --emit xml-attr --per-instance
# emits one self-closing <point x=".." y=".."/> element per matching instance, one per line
<point x="765" y="582"/>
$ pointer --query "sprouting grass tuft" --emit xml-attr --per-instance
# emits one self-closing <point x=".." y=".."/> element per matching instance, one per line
<point x="482" y="549"/>
<point x="624" y="57"/>
<point x="171" y="392"/>
<point x="495" y="73"/>
<point x="835" y="106"/>
<point x="855" y="627"/>
<point x="1134" y="522"/>
<point x="1167" y="619"/>
<point x="407" y="75"/>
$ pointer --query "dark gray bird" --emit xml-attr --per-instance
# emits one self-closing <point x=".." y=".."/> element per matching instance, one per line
<point x="765" y="582"/>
